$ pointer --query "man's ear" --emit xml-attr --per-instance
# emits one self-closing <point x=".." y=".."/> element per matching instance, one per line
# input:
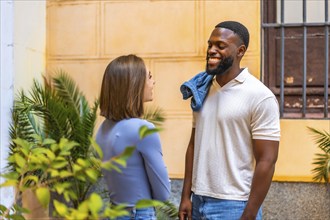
<point x="241" y="51"/>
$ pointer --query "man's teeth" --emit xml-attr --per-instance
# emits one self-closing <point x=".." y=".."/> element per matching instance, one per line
<point x="214" y="59"/>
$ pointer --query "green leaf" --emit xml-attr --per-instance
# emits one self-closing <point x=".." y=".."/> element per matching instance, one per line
<point x="61" y="187"/>
<point x="48" y="141"/>
<point x="16" y="217"/>
<point x="20" y="161"/>
<point x="50" y="154"/>
<point x="79" y="214"/>
<point x="93" y="174"/>
<point x="66" y="145"/>
<point x="83" y="163"/>
<point x="155" y="115"/>
<point x="60" y="208"/>
<point x="30" y="178"/>
<point x="82" y="212"/>
<point x="95" y="204"/>
<point x="37" y="138"/>
<point x="41" y="159"/>
<point x="38" y="159"/>
<point x="54" y="147"/>
<point x="20" y="209"/>
<point x="97" y="148"/>
<point x="145" y="131"/>
<point x="23" y="143"/>
<point x="2" y="208"/>
<point x="59" y="164"/>
<point x="9" y="183"/>
<point x="121" y="159"/>
<point x="167" y="211"/>
<point x="71" y="194"/>
<point x="39" y="150"/>
<point x="11" y="158"/>
<point x="83" y="207"/>
<point x="11" y="175"/>
<point x="321" y="161"/>
<point x="43" y="196"/>
<point x="65" y="174"/>
<point x="145" y="203"/>
<point x="115" y="211"/>
<point x="25" y="152"/>
<point x="108" y="165"/>
<point x="65" y="153"/>
<point x="81" y="177"/>
<point x="53" y="172"/>
<point x="76" y="168"/>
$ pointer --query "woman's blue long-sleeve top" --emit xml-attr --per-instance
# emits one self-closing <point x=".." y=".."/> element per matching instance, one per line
<point x="145" y="176"/>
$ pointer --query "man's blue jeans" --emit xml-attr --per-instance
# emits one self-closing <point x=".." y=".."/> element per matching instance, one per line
<point x="140" y="214"/>
<point x="208" y="208"/>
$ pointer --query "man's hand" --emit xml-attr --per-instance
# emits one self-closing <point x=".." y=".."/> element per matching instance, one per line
<point x="185" y="209"/>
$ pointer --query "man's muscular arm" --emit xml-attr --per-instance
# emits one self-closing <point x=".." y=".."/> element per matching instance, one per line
<point x="185" y="208"/>
<point x="265" y="153"/>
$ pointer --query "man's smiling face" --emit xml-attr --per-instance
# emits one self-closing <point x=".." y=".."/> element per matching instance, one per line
<point x="222" y="47"/>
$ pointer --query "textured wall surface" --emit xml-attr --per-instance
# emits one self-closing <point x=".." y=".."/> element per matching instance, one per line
<point x="286" y="201"/>
<point x="171" y="36"/>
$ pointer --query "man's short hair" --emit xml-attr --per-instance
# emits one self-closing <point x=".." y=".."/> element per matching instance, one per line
<point x="238" y="29"/>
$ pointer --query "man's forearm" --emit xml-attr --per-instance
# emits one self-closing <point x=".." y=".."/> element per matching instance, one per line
<point x="261" y="182"/>
<point x="186" y="191"/>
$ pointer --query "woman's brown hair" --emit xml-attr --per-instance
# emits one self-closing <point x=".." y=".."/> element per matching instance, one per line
<point x="123" y="88"/>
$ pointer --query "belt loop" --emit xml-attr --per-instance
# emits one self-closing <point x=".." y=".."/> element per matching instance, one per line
<point x="133" y="213"/>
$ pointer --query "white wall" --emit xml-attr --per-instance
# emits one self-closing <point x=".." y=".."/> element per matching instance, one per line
<point x="29" y="42"/>
<point x="6" y="95"/>
<point x="23" y="42"/>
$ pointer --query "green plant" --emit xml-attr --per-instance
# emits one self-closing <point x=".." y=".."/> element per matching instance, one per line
<point x="322" y="160"/>
<point x="51" y="158"/>
<point x="55" y="110"/>
<point x="167" y="211"/>
<point x="154" y="115"/>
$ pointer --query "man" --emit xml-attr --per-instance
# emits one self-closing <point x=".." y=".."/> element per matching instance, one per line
<point x="233" y="148"/>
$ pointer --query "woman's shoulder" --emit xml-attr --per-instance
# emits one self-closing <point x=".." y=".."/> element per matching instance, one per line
<point x="130" y="128"/>
<point x="139" y="121"/>
<point x="136" y="123"/>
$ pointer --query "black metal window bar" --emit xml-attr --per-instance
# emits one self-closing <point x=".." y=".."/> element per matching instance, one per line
<point x="282" y="26"/>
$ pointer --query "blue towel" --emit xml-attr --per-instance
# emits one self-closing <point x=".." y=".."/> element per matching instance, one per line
<point x="197" y="88"/>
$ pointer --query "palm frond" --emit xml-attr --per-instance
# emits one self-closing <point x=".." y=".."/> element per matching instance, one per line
<point x="68" y="91"/>
<point x="168" y="211"/>
<point x="154" y="115"/>
<point x="322" y="138"/>
<point x="24" y="123"/>
<point x="321" y="160"/>
<point x="88" y="125"/>
<point x="80" y="116"/>
<point x="321" y="171"/>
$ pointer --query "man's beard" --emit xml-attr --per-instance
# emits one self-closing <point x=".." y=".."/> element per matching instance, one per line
<point x="223" y="66"/>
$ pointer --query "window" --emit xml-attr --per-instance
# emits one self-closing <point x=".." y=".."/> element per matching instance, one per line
<point x="296" y="56"/>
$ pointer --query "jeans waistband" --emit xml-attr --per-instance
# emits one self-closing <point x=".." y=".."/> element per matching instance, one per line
<point x="130" y="209"/>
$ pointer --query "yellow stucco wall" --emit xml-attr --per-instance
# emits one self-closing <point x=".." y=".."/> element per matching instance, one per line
<point x="171" y="36"/>
<point x="297" y="149"/>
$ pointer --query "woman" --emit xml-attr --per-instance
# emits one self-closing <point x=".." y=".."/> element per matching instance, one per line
<point x="126" y="85"/>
